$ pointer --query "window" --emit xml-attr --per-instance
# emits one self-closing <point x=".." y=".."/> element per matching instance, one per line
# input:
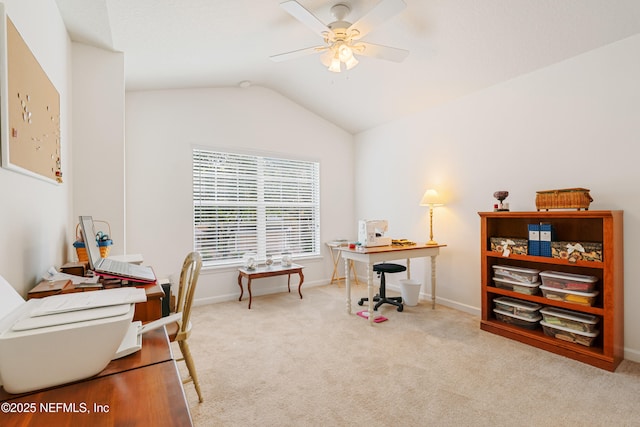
<point x="244" y="203"/>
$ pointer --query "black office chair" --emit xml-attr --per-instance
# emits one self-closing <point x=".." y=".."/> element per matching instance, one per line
<point x="382" y="297"/>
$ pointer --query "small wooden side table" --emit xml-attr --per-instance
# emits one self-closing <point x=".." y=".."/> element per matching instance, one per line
<point x="273" y="270"/>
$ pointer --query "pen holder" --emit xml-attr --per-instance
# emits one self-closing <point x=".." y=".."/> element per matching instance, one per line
<point x="105" y="247"/>
<point x="81" y="251"/>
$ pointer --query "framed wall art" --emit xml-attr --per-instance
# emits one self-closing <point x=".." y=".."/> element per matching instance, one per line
<point x="29" y="109"/>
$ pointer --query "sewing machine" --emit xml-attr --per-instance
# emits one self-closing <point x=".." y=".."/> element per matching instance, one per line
<point x="371" y="232"/>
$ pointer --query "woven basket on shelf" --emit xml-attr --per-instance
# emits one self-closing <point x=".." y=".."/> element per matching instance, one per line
<point x="567" y="198"/>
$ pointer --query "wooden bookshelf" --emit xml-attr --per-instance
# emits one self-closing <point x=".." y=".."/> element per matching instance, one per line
<point x="606" y="227"/>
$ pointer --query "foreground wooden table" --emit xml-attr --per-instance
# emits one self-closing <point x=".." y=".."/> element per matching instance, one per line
<point x="274" y="270"/>
<point x="142" y="389"/>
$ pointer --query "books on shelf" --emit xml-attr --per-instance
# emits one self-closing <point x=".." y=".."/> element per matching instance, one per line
<point x="546" y="236"/>
<point x="540" y="237"/>
<point x="534" y="239"/>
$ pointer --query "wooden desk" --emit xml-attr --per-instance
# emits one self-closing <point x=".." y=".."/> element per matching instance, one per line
<point x="146" y="311"/>
<point x="155" y="349"/>
<point x="373" y="255"/>
<point x="152" y="308"/>
<point x="274" y="270"/>
<point x="141" y="389"/>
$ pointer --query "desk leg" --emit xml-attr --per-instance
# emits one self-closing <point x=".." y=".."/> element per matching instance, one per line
<point x="371" y="291"/>
<point x="433" y="282"/>
<point x="249" y="289"/>
<point x="408" y="269"/>
<point x="347" y="285"/>
<point x="300" y="285"/>
<point x="240" y="284"/>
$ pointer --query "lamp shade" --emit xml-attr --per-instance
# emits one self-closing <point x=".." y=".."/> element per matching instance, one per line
<point x="335" y="65"/>
<point x="431" y="198"/>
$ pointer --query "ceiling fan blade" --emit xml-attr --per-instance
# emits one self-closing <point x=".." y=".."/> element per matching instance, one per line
<point x="297" y="53"/>
<point x="299" y="12"/>
<point x="376" y="16"/>
<point x="381" y="52"/>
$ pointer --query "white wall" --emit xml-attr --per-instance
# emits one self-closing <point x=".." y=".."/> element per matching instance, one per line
<point x="34" y="214"/>
<point x="98" y="126"/>
<point x="573" y="124"/>
<point x="161" y="129"/>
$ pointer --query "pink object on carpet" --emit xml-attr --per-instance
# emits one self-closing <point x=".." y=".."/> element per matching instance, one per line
<point x="365" y="314"/>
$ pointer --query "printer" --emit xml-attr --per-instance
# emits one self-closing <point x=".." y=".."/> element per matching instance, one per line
<point x="62" y="338"/>
<point x="371" y="232"/>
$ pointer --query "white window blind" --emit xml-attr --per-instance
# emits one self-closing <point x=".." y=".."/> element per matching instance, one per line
<point x="244" y="203"/>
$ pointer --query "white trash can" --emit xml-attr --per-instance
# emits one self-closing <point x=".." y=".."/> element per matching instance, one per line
<point x="410" y="290"/>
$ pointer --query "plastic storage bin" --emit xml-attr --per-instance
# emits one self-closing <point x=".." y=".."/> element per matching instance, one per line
<point x="520" y="287"/>
<point x="575" y="297"/>
<point x="530" y="310"/>
<point x="568" y="281"/>
<point x="571" y="335"/>
<point x="517" y="274"/>
<point x="514" y="319"/>
<point x="581" y="322"/>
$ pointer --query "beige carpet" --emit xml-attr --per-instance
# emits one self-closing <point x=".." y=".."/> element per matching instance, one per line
<point x="292" y="362"/>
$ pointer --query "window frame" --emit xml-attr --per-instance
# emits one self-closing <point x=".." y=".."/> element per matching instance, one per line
<point x="294" y="195"/>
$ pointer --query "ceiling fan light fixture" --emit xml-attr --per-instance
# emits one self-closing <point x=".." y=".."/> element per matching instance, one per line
<point x="341" y="54"/>
<point x="352" y="62"/>
<point x="335" y="65"/>
<point x="342" y="39"/>
<point x="345" y="53"/>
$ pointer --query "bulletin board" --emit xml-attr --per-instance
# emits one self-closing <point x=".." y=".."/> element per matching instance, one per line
<point x="29" y="110"/>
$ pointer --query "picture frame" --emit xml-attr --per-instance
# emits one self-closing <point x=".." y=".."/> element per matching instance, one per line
<point x="29" y="110"/>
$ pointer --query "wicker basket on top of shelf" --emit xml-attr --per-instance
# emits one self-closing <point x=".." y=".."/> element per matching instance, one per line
<point x="567" y="198"/>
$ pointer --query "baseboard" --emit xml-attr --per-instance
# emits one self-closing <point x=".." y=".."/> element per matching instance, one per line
<point x="425" y="298"/>
<point x="632" y="355"/>
<point x="457" y="306"/>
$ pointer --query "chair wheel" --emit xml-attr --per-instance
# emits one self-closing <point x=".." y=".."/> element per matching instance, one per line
<point x="400" y="308"/>
<point x="360" y="302"/>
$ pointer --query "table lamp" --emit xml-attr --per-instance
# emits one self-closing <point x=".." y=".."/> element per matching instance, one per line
<point x="431" y="199"/>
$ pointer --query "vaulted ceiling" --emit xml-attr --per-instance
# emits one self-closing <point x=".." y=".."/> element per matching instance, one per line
<point x="456" y="47"/>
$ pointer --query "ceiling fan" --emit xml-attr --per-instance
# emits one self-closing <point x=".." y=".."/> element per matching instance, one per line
<point x="342" y="39"/>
